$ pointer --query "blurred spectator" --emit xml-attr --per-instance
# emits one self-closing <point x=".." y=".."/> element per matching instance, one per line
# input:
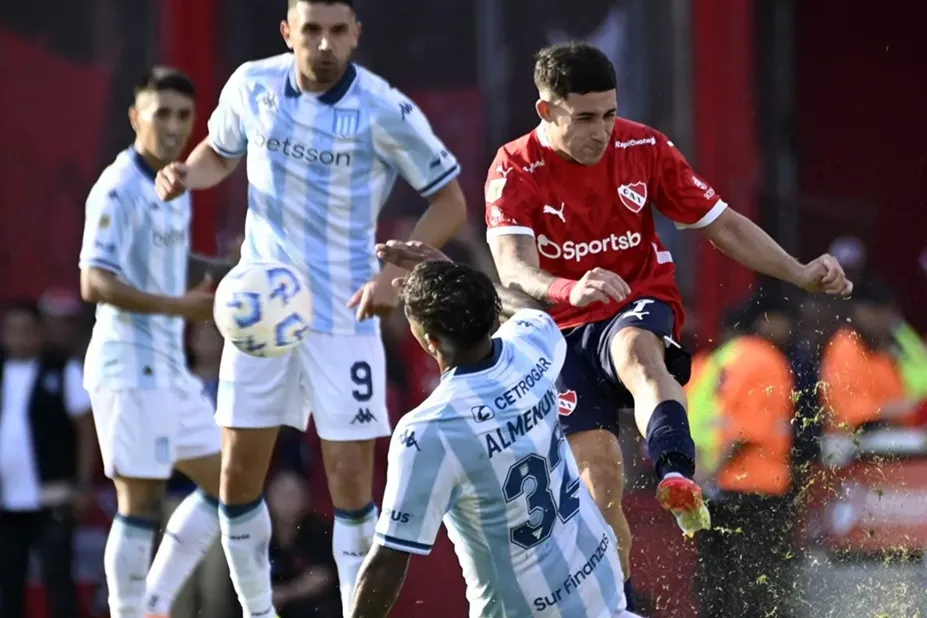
<point x="851" y="252"/>
<point x="61" y="309"/>
<point x="741" y="409"/>
<point x="209" y="591"/>
<point x="860" y="367"/>
<point x="47" y="460"/>
<point x="302" y="568"/>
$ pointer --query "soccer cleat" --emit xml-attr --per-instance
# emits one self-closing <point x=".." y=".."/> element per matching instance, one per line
<point x="683" y="498"/>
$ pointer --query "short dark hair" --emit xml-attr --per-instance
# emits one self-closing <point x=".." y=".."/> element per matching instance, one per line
<point x="292" y="3"/>
<point x="452" y="302"/>
<point x="573" y="68"/>
<point x="162" y="78"/>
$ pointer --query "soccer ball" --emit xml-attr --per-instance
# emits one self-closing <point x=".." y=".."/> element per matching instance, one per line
<point x="263" y="308"/>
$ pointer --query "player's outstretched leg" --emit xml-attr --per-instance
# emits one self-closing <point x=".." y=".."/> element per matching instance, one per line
<point x="660" y="411"/>
<point x="601" y="467"/>
<point x="349" y="468"/>
<point x="190" y="532"/>
<point x="243" y="517"/>
<point x="128" y="547"/>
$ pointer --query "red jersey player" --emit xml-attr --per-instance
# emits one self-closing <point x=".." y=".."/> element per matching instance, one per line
<point x="569" y="210"/>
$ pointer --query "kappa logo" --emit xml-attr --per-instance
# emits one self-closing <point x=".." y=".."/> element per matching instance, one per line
<point x="633" y="196"/>
<point x="268" y="100"/>
<point x="550" y="210"/>
<point x="566" y="403"/>
<point x="363" y="416"/>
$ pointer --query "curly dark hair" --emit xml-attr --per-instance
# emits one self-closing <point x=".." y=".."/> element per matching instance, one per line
<point x="452" y="302"/>
<point x="573" y="68"/>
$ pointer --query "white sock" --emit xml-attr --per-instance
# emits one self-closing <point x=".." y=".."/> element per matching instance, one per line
<point x="125" y="561"/>
<point x="246" y="530"/>
<point x="351" y="540"/>
<point x="190" y="532"/>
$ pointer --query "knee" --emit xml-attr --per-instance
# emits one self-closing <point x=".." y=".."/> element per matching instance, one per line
<point x="349" y="471"/>
<point x="238" y="483"/>
<point x="638" y="357"/>
<point x="600" y="464"/>
<point x="246" y="457"/>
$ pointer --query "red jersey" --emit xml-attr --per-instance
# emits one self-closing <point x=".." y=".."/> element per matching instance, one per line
<point x="584" y="217"/>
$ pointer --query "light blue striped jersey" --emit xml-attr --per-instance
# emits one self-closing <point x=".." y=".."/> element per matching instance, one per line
<point x="320" y="168"/>
<point x="146" y="242"/>
<point x="486" y="454"/>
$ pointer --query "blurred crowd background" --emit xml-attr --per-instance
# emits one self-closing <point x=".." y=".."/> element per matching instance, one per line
<point x="806" y="116"/>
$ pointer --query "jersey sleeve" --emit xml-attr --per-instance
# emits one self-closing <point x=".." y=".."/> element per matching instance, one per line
<point x="421" y="480"/>
<point x="510" y="199"/>
<point x="539" y="330"/>
<point x="403" y="137"/>
<point x="107" y="231"/>
<point x="226" y="125"/>
<point x="681" y="194"/>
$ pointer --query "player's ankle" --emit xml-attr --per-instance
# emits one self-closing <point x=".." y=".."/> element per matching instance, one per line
<point x="675" y="464"/>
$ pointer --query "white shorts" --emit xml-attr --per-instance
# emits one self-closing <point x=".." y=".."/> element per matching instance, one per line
<point x="340" y="380"/>
<point x="143" y="432"/>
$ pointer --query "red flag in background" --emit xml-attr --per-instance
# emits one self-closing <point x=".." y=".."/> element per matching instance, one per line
<point x="51" y="119"/>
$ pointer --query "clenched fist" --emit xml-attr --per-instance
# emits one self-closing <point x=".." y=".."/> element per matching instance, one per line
<point x="171" y="181"/>
<point x="599" y="285"/>
<point x="824" y="275"/>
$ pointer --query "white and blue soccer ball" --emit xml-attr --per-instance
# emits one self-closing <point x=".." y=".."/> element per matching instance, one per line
<point x="263" y="308"/>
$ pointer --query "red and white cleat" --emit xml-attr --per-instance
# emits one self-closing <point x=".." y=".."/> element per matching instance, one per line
<point x="683" y="498"/>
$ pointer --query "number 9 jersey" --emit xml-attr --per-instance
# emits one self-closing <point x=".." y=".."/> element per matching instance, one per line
<point x="485" y="453"/>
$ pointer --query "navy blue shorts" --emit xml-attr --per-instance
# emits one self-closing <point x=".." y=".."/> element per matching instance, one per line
<point x="590" y="392"/>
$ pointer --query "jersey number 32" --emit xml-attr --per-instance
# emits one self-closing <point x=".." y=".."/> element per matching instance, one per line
<point x="530" y="477"/>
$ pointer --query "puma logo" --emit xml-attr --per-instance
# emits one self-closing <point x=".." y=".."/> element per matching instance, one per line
<point x="550" y="210"/>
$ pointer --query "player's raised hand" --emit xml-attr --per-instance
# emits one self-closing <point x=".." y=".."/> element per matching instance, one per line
<point x="196" y="304"/>
<point x="377" y="297"/>
<point x="824" y="275"/>
<point x="408" y="255"/>
<point x="599" y="285"/>
<point x="171" y="181"/>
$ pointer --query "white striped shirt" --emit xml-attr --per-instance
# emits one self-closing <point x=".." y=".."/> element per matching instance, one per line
<point x="320" y="168"/>
<point x="486" y="455"/>
<point x="145" y="242"/>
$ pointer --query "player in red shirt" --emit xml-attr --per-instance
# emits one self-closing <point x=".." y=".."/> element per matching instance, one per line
<point x="569" y="209"/>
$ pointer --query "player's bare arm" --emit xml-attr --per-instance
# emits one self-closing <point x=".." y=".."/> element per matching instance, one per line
<point x="204" y="168"/>
<point x="379" y="582"/>
<point x="446" y="214"/>
<point x="407" y="255"/>
<point x="98" y="285"/>
<point x="200" y="266"/>
<point x="744" y="241"/>
<point x="518" y="262"/>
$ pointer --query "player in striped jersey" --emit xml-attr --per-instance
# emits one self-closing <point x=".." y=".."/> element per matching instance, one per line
<point x="325" y="140"/>
<point x="150" y="412"/>
<point x="486" y="454"/>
